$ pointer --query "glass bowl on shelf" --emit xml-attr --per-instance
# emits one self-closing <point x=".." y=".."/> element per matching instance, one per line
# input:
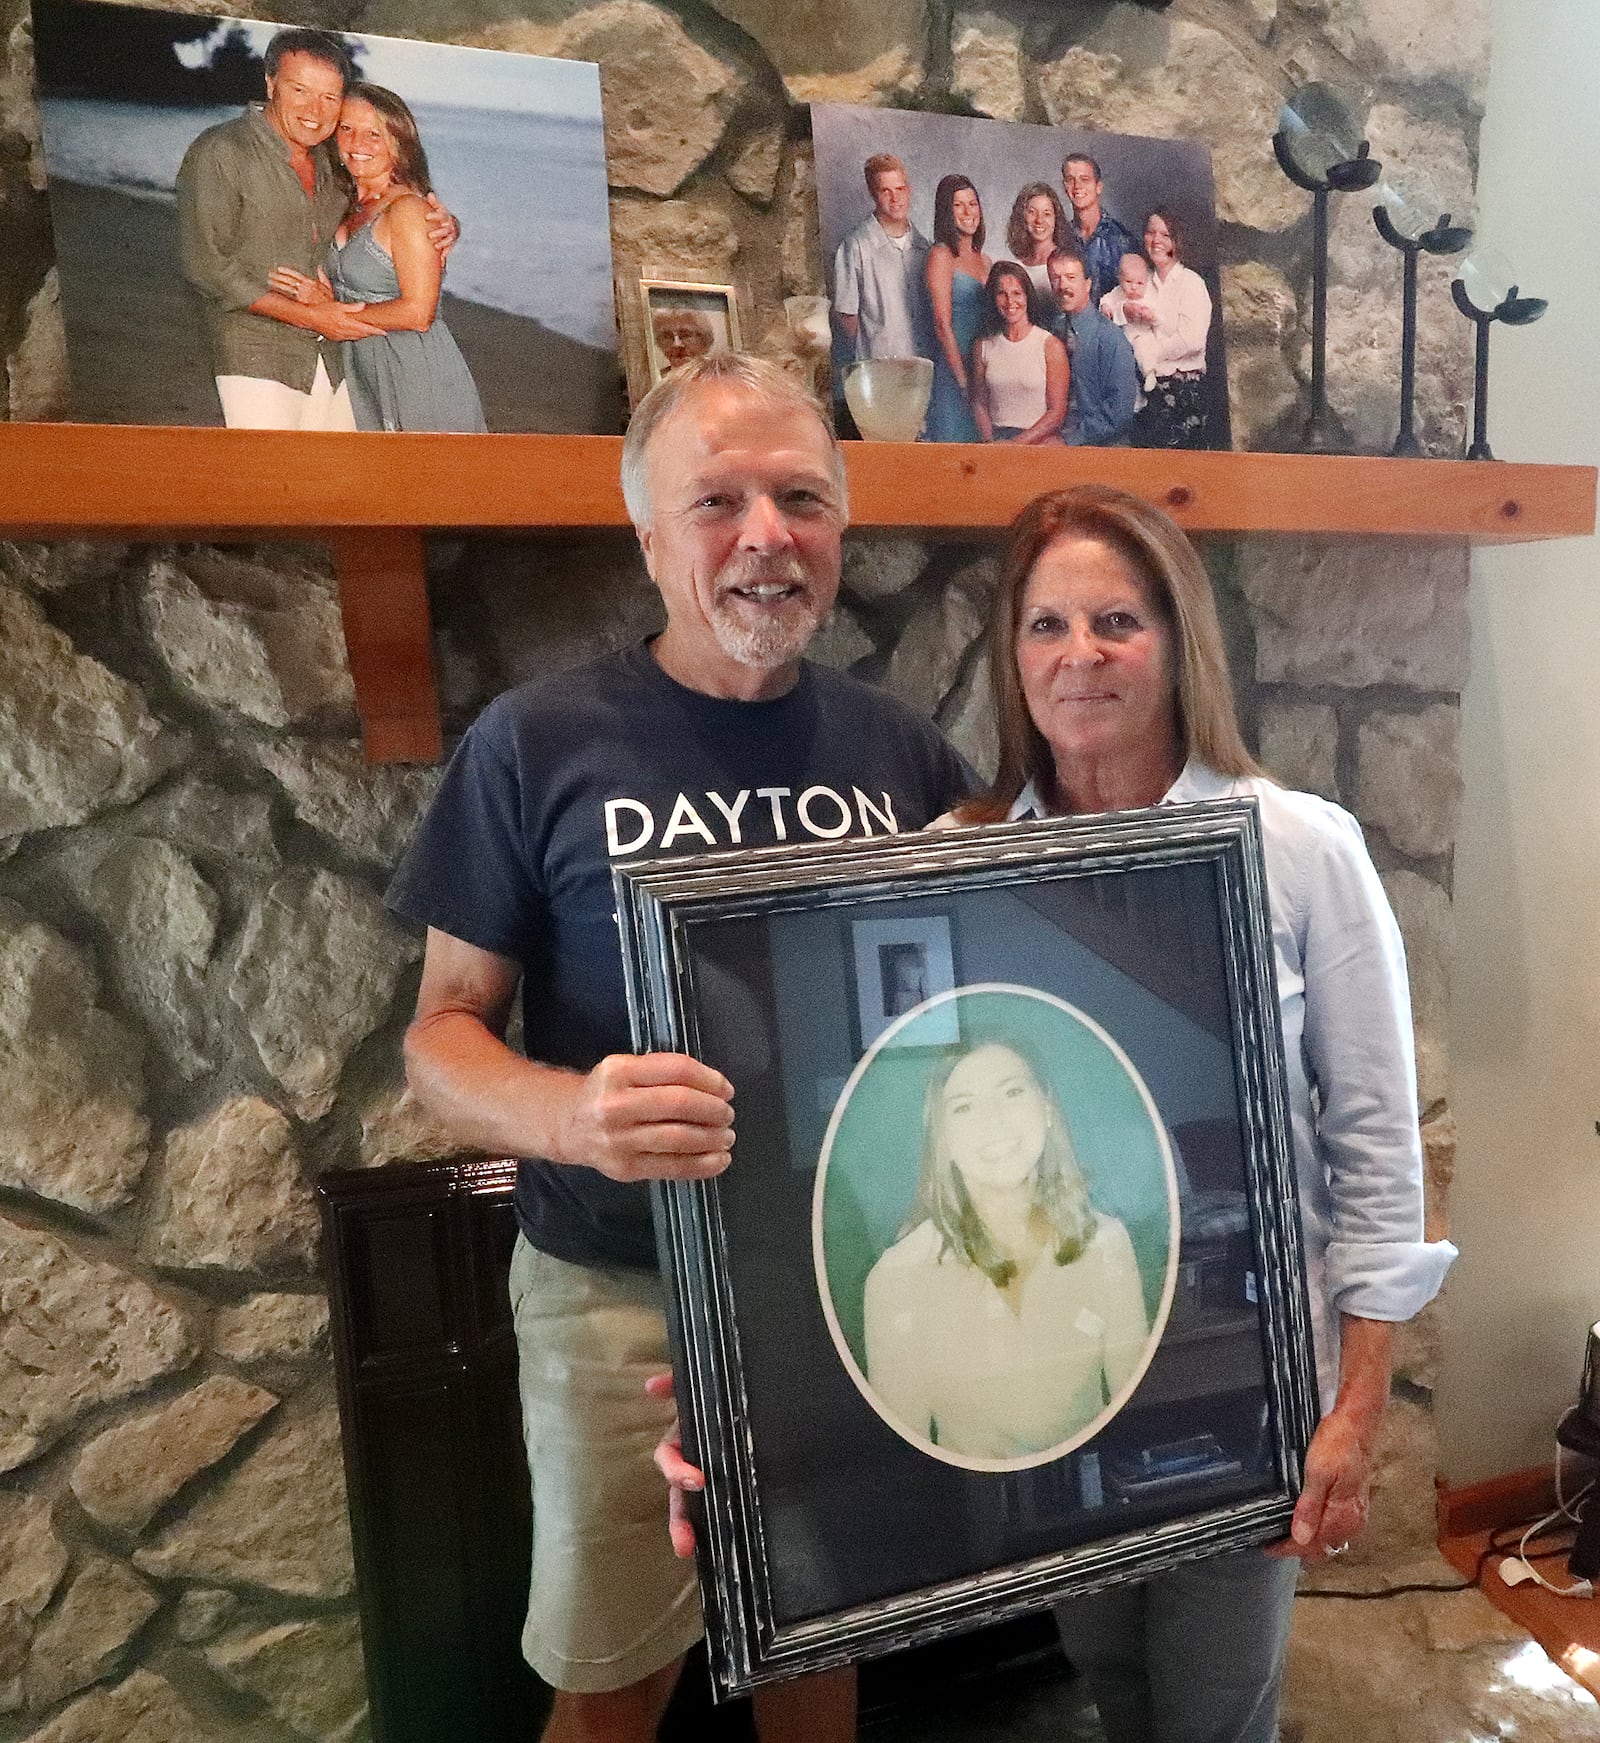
<point x="888" y="396"/>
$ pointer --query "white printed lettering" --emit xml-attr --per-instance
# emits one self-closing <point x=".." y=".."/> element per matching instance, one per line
<point x="832" y="832"/>
<point x="774" y="797"/>
<point x="731" y="812"/>
<point x="615" y="845"/>
<point x="869" y="813"/>
<point x="685" y="820"/>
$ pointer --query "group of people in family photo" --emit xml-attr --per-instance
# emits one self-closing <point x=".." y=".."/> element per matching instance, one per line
<point x="309" y="230"/>
<point x="1077" y="330"/>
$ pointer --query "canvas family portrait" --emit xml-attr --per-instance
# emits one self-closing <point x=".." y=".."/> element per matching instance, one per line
<point x="1062" y="283"/>
<point x="272" y="227"/>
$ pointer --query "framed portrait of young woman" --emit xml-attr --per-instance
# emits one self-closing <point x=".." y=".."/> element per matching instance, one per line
<point x="1002" y="1297"/>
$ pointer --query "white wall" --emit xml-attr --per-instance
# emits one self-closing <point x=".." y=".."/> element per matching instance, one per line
<point x="1525" y="1043"/>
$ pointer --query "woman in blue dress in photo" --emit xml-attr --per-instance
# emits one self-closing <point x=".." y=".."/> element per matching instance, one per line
<point x="412" y="376"/>
<point x="957" y="271"/>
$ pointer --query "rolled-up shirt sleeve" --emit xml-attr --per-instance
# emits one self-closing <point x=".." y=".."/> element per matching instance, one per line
<point x="211" y="204"/>
<point x="1360" y="1055"/>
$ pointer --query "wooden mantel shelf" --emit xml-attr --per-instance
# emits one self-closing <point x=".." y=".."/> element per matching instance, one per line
<point x="88" y="480"/>
<point x="374" y="498"/>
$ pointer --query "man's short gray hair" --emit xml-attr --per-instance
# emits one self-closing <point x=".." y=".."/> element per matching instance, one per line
<point x="321" y="45"/>
<point x="764" y="380"/>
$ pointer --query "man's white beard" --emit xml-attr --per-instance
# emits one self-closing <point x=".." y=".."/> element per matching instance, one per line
<point x="768" y="637"/>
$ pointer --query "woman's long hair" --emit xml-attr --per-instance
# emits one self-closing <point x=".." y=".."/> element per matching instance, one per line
<point x="410" y="160"/>
<point x="944" y="213"/>
<point x="1017" y="238"/>
<point x="1060" y="1192"/>
<point x="1003" y="269"/>
<point x="1178" y="589"/>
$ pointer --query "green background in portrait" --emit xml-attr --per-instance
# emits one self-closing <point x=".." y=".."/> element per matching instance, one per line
<point x="877" y="1144"/>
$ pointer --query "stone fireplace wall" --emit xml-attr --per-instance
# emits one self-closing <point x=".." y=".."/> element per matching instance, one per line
<point x="200" y="994"/>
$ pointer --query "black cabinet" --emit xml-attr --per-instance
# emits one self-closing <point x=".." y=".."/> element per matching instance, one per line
<point x="426" y="1365"/>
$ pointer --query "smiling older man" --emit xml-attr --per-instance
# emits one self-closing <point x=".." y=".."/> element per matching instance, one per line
<point x="716" y="733"/>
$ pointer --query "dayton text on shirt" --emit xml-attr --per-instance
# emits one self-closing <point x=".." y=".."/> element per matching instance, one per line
<point x="818" y="811"/>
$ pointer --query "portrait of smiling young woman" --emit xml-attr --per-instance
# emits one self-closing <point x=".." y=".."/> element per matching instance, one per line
<point x="1014" y="1187"/>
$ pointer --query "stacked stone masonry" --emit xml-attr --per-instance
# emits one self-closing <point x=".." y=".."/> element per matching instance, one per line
<point x="200" y="995"/>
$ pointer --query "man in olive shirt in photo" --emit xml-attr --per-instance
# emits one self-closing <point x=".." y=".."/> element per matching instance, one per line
<point x="263" y="191"/>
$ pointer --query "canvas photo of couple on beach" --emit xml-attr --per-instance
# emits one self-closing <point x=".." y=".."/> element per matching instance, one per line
<point x="282" y="228"/>
<point x="1061" y="285"/>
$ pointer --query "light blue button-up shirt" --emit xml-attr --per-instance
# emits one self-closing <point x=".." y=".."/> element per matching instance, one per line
<point x="882" y="281"/>
<point x="1349" y="1049"/>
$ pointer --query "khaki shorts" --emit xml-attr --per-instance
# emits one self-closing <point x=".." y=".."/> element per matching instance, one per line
<point x="608" y="1602"/>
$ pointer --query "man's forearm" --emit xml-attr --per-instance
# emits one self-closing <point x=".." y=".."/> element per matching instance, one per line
<point x="333" y="320"/>
<point x="277" y="307"/>
<point x="489" y="1097"/>
<point x="1124" y="395"/>
<point x="1095" y="424"/>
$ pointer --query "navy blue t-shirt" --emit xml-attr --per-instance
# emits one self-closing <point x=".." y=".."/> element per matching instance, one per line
<point x="564" y="777"/>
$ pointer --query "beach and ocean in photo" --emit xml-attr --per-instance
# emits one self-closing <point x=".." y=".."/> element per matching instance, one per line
<point x="527" y="287"/>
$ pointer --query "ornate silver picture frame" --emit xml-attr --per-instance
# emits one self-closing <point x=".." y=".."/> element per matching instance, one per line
<point x="1007" y="1301"/>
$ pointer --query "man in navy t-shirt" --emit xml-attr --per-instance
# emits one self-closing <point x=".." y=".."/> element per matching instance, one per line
<point x="715" y="734"/>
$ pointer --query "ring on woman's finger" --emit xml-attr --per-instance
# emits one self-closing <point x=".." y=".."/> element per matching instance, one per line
<point x="1334" y="1549"/>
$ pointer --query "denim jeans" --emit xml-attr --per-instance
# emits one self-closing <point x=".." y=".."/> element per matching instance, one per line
<point x="1194" y="1655"/>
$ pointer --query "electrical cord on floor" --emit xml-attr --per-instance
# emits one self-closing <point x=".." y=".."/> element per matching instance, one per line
<point x="1370" y="1593"/>
<point x="1520" y="1535"/>
<point x="1515" y="1569"/>
<point x="1504" y="1539"/>
<point x="1500" y="1542"/>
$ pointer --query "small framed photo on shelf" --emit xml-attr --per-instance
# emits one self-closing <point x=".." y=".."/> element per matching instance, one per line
<point x="668" y="319"/>
<point x="1004" y="1298"/>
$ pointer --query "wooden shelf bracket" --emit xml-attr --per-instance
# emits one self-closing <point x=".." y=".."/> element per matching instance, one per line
<point x="383" y="598"/>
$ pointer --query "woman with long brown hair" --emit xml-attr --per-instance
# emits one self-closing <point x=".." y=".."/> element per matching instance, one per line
<point x="1020" y="372"/>
<point x="1037" y="227"/>
<point x="957" y="275"/>
<point x="1112" y="691"/>
<point x="412" y="376"/>
<point x="1176" y="308"/>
